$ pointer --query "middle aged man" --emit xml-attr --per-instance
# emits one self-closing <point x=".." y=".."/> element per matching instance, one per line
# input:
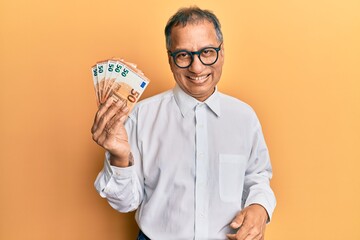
<point x="191" y="160"/>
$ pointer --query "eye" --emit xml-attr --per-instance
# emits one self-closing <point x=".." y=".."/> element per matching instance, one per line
<point x="182" y="55"/>
<point x="208" y="52"/>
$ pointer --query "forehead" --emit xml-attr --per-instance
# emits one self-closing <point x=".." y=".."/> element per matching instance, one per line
<point x="193" y="36"/>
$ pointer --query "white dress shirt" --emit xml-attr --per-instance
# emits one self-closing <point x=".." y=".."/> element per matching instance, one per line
<point x="196" y="165"/>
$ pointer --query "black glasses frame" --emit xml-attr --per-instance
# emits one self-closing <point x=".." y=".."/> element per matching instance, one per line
<point x="173" y="54"/>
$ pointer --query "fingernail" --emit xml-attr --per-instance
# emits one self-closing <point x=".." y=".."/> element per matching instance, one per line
<point x="109" y="101"/>
<point x="234" y="225"/>
<point x="123" y="118"/>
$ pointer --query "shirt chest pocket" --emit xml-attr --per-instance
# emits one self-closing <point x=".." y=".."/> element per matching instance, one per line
<point x="231" y="177"/>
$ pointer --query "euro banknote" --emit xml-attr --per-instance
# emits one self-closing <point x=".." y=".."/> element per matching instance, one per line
<point x="120" y="80"/>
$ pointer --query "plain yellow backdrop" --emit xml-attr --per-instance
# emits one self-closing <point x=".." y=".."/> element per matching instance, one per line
<point x="297" y="62"/>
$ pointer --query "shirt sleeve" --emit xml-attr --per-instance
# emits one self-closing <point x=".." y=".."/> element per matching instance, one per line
<point x="122" y="187"/>
<point x="257" y="188"/>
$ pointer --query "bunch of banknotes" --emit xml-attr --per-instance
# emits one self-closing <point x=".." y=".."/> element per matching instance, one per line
<point x="119" y="80"/>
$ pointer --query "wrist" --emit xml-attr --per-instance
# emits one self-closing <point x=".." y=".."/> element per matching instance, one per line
<point x="121" y="161"/>
<point x="263" y="209"/>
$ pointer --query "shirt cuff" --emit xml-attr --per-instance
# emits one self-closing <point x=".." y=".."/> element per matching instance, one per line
<point x="117" y="172"/>
<point x="262" y="200"/>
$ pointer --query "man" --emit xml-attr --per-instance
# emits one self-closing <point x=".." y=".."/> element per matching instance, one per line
<point x="192" y="161"/>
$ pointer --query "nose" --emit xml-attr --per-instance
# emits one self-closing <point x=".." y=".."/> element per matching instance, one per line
<point x="196" y="66"/>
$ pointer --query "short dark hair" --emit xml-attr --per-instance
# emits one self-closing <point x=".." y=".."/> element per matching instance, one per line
<point x="191" y="15"/>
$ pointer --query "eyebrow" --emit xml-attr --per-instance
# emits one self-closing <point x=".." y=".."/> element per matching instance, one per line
<point x="183" y="49"/>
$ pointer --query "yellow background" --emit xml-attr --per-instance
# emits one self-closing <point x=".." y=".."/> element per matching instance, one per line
<point x="296" y="62"/>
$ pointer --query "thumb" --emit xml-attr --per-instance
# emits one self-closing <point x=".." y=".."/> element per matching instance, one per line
<point x="238" y="220"/>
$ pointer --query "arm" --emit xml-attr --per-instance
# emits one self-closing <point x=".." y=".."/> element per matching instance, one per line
<point x="118" y="181"/>
<point x="257" y="188"/>
<point x="259" y="199"/>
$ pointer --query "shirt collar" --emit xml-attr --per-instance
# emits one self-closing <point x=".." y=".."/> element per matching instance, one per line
<point x="213" y="102"/>
<point x="186" y="103"/>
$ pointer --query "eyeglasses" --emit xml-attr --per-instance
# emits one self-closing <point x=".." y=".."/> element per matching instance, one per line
<point x="208" y="56"/>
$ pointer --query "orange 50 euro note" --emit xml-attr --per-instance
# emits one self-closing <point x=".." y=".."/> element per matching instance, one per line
<point x="119" y="80"/>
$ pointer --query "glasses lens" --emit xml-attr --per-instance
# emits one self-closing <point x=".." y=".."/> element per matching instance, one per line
<point x="183" y="59"/>
<point x="208" y="56"/>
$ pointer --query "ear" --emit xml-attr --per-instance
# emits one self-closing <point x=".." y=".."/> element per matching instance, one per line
<point x="169" y="57"/>
<point x="222" y="50"/>
<point x="170" y="61"/>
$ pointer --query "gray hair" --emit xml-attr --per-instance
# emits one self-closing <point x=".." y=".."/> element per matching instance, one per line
<point x="191" y="15"/>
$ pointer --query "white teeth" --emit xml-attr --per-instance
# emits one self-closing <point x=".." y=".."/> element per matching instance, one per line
<point x="198" y="78"/>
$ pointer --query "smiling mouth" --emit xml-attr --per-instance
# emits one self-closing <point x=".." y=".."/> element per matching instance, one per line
<point x="199" y="79"/>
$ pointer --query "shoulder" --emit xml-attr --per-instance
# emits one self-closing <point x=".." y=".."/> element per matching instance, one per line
<point x="231" y="103"/>
<point x="238" y="110"/>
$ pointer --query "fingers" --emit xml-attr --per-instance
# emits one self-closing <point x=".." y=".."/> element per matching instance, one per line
<point x="113" y="131"/>
<point x="238" y="220"/>
<point x="107" y="115"/>
<point x="243" y="232"/>
<point x="247" y="234"/>
<point x="117" y="121"/>
<point x="231" y="236"/>
<point x="117" y="126"/>
<point x="250" y="222"/>
<point x="235" y="224"/>
<point x="254" y="235"/>
<point x="102" y="109"/>
<point x="255" y="232"/>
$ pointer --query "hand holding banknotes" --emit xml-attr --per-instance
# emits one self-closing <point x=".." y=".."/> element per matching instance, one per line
<point x="109" y="132"/>
<point x="118" y="86"/>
